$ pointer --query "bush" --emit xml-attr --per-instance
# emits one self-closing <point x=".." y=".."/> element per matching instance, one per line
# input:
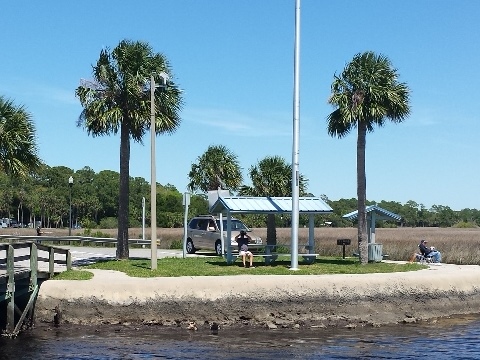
<point x="109" y="223"/>
<point x="98" y="234"/>
<point x="176" y="244"/>
<point x="465" y="225"/>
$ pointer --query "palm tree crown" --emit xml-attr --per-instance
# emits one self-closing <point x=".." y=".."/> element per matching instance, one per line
<point x="18" y="150"/>
<point x="272" y="176"/>
<point x="119" y="100"/>
<point x="217" y="168"/>
<point x="367" y="92"/>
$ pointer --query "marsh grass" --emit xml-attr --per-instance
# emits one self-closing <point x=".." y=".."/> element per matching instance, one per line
<point x="457" y="245"/>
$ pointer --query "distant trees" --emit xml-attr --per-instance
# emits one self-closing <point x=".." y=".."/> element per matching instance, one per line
<point x="365" y="95"/>
<point x="45" y="197"/>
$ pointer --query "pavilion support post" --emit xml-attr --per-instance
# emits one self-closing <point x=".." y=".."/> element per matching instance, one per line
<point x="229" y="237"/>
<point x="371" y="232"/>
<point x="311" y="235"/>
<point x="222" y="238"/>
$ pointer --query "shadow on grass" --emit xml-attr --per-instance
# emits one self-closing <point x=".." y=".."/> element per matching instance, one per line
<point x="285" y="262"/>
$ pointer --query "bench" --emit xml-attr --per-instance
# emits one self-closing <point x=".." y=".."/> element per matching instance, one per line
<point x="270" y="257"/>
<point x="255" y="255"/>
<point x="308" y="258"/>
<point x="384" y="256"/>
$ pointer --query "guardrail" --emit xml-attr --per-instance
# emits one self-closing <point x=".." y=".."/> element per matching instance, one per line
<point x="69" y="239"/>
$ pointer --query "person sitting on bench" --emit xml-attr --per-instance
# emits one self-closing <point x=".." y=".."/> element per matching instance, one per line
<point x="242" y="240"/>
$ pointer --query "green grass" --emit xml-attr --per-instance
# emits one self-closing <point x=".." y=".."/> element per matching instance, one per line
<point x="73" y="275"/>
<point x="214" y="266"/>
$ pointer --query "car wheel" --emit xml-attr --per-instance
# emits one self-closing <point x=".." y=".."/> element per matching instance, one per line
<point x="218" y="248"/>
<point x="190" y="247"/>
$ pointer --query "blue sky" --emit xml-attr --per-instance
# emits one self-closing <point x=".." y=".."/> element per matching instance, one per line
<point x="234" y="61"/>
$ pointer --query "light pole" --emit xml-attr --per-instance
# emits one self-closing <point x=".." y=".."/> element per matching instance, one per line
<point x="70" y="184"/>
<point x="153" y="180"/>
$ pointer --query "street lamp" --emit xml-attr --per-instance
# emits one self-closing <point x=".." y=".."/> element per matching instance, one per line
<point x="70" y="184"/>
<point x="153" y="180"/>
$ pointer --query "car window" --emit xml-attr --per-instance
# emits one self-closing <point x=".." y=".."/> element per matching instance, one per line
<point x="237" y="225"/>
<point x="202" y="224"/>
<point x="193" y="224"/>
<point x="211" y="225"/>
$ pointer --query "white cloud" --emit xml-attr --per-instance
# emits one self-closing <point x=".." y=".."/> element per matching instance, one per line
<point x="269" y="124"/>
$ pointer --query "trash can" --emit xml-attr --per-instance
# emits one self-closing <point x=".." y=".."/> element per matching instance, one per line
<point x="375" y="252"/>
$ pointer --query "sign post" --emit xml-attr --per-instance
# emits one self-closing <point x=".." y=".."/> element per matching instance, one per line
<point x="343" y="242"/>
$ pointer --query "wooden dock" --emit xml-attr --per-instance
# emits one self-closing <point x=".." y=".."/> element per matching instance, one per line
<point x="22" y="271"/>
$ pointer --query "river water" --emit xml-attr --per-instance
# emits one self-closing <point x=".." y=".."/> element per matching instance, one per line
<point x="453" y="338"/>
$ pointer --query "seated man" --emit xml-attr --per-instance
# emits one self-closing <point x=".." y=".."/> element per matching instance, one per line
<point x="242" y="240"/>
<point x="430" y="251"/>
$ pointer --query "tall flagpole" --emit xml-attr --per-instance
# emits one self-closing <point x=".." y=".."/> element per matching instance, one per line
<point x="296" y="136"/>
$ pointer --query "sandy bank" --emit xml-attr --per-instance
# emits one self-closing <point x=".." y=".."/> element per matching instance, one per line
<point x="265" y="301"/>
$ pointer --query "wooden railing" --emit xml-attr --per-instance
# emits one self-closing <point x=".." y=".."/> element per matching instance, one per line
<point x="12" y="261"/>
<point x="20" y="274"/>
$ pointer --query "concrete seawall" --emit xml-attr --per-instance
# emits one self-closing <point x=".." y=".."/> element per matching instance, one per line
<point x="265" y="301"/>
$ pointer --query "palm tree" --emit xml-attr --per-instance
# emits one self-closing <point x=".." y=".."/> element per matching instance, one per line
<point x="272" y="176"/>
<point x="367" y="93"/>
<point x="18" y="150"/>
<point x="217" y="168"/>
<point x="119" y="100"/>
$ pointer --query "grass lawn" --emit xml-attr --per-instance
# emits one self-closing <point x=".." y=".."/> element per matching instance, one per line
<point x="215" y="266"/>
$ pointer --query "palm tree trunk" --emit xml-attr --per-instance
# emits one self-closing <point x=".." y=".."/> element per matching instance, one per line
<point x="271" y="231"/>
<point x="122" y="238"/>
<point x="362" y="193"/>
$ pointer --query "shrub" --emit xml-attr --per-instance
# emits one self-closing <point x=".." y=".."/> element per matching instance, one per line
<point x="176" y="244"/>
<point x="109" y="223"/>
<point x="465" y="225"/>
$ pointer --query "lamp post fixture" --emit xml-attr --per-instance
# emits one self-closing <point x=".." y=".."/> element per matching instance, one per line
<point x="70" y="184"/>
<point x="153" y="180"/>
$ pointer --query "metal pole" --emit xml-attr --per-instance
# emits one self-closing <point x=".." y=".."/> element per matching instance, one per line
<point x="70" y="184"/>
<point x="295" y="150"/>
<point x="70" y="221"/>
<point x="143" y="220"/>
<point x="153" y="181"/>
<point x="186" y="203"/>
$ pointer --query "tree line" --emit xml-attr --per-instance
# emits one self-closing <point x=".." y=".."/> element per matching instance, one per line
<point x="45" y="198"/>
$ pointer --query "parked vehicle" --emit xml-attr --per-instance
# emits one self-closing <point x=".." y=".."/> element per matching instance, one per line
<point x="203" y="232"/>
<point x="14" y="224"/>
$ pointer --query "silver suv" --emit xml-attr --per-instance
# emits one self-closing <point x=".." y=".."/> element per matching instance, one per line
<point x="204" y="233"/>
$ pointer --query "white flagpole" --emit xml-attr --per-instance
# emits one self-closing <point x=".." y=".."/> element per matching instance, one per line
<point x="296" y="136"/>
